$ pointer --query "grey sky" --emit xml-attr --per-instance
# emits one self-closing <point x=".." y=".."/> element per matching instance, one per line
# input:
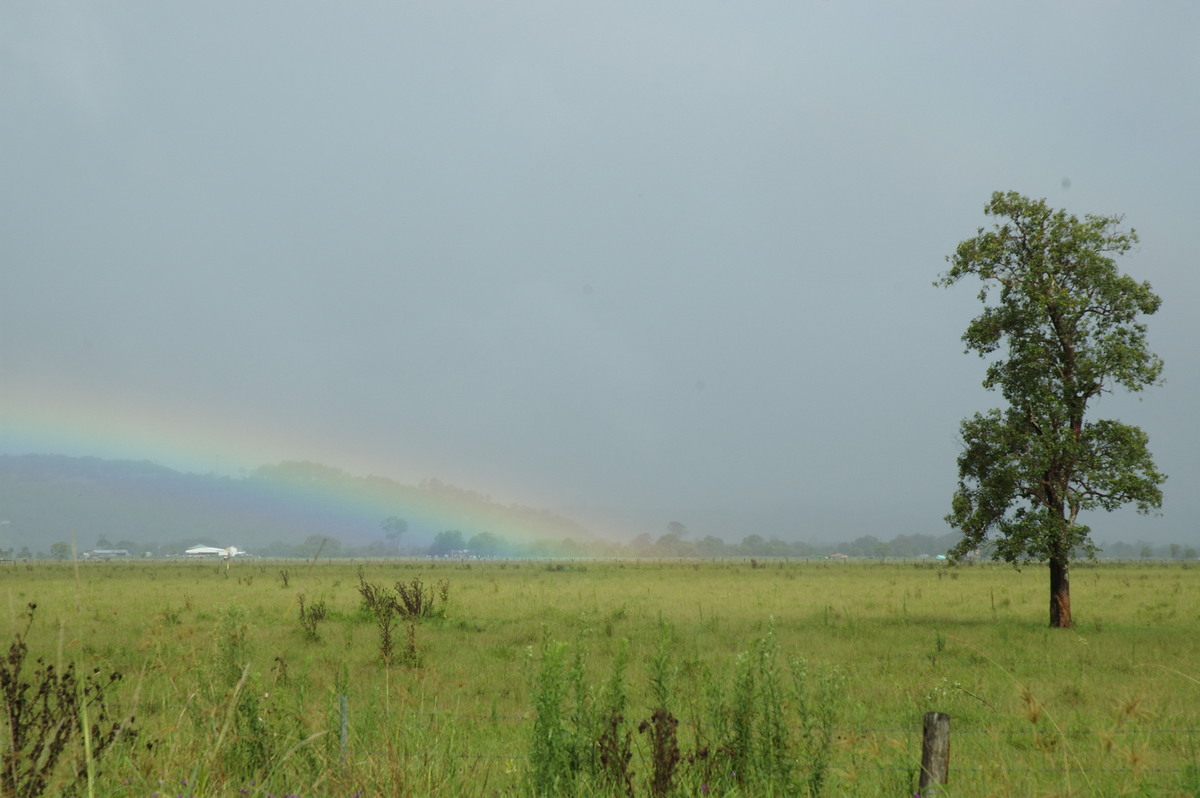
<point x="638" y="262"/>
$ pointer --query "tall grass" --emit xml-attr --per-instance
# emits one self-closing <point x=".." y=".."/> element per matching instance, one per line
<point x="786" y="679"/>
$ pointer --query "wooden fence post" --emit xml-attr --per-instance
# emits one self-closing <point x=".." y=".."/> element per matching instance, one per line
<point x="935" y="753"/>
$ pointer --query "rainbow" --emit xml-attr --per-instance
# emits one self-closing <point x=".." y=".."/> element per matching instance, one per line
<point x="177" y="435"/>
<point x="236" y="450"/>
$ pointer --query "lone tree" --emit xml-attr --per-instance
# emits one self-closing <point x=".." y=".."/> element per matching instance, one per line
<point x="395" y="527"/>
<point x="1065" y="329"/>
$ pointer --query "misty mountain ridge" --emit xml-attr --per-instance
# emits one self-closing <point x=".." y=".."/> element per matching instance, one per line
<point x="46" y="498"/>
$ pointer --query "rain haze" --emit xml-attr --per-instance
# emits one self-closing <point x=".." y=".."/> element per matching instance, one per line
<point x="632" y="262"/>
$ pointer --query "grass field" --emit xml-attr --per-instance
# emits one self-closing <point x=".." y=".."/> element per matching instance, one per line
<point x="524" y="678"/>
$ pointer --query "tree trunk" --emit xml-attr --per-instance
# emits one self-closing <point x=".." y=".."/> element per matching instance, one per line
<point x="1060" y="592"/>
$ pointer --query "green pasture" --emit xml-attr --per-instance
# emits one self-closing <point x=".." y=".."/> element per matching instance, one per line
<point x="232" y="695"/>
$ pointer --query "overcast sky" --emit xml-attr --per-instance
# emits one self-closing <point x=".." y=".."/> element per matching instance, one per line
<point x="638" y="262"/>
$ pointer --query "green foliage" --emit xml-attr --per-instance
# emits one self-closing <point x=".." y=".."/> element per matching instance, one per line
<point x="245" y="747"/>
<point x="775" y="731"/>
<point x="662" y="725"/>
<point x="485" y="544"/>
<point x="550" y="750"/>
<point x="45" y="711"/>
<point x="1066" y="329"/>
<point x="819" y="699"/>
<point x="773" y="735"/>
<point x="614" y="739"/>
<point x="446" y="542"/>
<point x="394" y="526"/>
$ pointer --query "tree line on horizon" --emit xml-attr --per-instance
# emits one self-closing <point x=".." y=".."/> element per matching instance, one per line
<point x="485" y="545"/>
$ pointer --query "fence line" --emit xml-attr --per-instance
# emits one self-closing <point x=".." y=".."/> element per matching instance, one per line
<point x="345" y="714"/>
<point x="127" y="707"/>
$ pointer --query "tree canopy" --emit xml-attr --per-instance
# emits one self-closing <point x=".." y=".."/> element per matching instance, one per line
<point x="1063" y="328"/>
<point x="447" y="541"/>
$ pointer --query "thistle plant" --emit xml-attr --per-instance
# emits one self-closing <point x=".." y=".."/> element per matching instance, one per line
<point x="662" y="725"/>
<point x="44" y="711"/>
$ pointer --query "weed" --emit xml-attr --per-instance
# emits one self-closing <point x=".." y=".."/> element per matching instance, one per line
<point x="819" y="701"/>
<point x="375" y="599"/>
<point x="310" y="616"/>
<point x="232" y="651"/>
<point x="664" y="750"/>
<point x="662" y="725"/>
<point x="411" y="658"/>
<point x="615" y="740"/>
<point x="416" y="600"/>
<point x="774" y="749"/>
<point x="583" y="748"/>
<point x="550" y="749"/>
<point x="411" y="602"/>
<point x="279" y="672"/>
<point x="44" y="712"/>
<point x="387" y="648"/>
<point x="738" y="745"/>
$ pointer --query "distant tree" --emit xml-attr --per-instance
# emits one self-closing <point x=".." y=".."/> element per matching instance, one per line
<point x="1176" y="551"/>
<point x="395" y="527"/>
<point x="864" y="546"/>
<point x="642" y="544"/>
<point x="669" y="540"/>
<point x="376" y="548"/>
<point x="801" y="548"/>
<point x="446" y="542"/>
<point x="319" y="546"/>
<point x="672" y="545"/>
<point x="753" y="544"/>
<point x="569" y="547"/>
<point x="1119" y="550"/>
<point x="103" y="542"/>
<point x="277" y="548"/>
<point x="300" y="471"/>
<point x="24" y="553"/>
<point x="1189" y="553"/>
<point x="60" y="550"/>
<point x="484" y="544"/>
<point x="677" y="529"/>
<point x="905" y="546"/>
<point x="1067" y="330"/>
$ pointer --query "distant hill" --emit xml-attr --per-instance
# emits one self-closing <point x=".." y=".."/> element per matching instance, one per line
<point x="46" y="498"/>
